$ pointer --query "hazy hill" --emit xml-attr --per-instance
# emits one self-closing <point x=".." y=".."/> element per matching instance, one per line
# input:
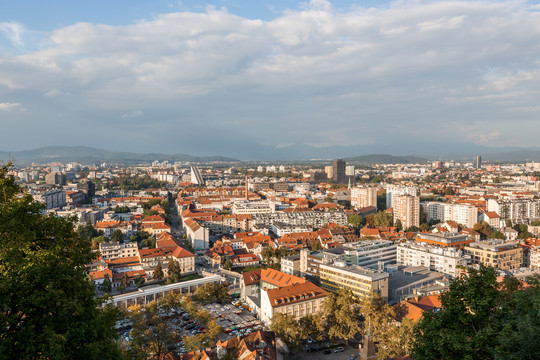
<point x="385" y="159"/>
<point x="89" y="155"/>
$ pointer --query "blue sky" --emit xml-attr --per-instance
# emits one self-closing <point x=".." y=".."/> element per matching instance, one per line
<point x="202" y="77"/>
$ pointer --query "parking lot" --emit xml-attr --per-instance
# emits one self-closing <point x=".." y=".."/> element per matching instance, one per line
<point x="235" y="321"/>
<point x="349" y="352"/>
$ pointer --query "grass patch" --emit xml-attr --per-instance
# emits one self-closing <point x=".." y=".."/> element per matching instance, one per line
<point x="241" y="270"/>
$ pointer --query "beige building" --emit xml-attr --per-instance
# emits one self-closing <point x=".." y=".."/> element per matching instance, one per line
<point x="496" y="253"/>
<point x="296" y="300"/>
<point x="362" y="197"/>
<point x="407" y="210"/>
<point x="361" y="281"/>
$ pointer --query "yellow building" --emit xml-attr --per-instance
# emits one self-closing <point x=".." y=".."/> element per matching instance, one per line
<point x="496" y="253"/>
<point x="361" y="281"/>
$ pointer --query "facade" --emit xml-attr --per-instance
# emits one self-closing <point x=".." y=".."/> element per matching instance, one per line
<point x="370" y="253"/>
<point x="196" y="177"/>
<point x="197" y="235"/>
<point x="393" y="190"/>
<point x="362" y="197"/>
<point x="117" y="250"/>
<point x="291" y="265"/>
<point x="407" y="210"/>
<point x="534" y="257"/>
<point x="52" y="199"/>
<point x="445" y="239"/>
<point x="464" y="214"/>
<point x="496" y="253"/>
<point x="306" y="218"/>
<point x="296" y="300"/>
<point x="515" y="210"/>
<point x="338" y="171"/>
<point x="361" y="281"/>
<point x="252" y="207"/>
<point x="492" y="218"/>
<point x="310" y="261"/>
<point x="435" y="258"/>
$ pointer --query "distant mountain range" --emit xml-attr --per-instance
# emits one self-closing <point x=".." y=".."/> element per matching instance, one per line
<point x="390" y="154"/>
<point x="385" y="159"/>
<point x="89" y="155"/>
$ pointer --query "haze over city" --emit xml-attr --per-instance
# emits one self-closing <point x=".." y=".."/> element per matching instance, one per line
<point x="225" y="77"/>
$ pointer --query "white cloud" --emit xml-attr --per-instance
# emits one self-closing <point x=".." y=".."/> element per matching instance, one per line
<point x="367" y="71"/>
<point x="14" y="32"/>
<point x="132" y="114"/>
<point x="9" y="106"/>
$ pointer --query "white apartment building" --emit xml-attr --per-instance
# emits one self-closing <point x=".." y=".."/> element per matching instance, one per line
<point x="464" y="214"/>
<point x="534" y="257"/>
<point x="362" y="197"/>
<point x="516" y="209"/>
<point x="393" y="190"/>
<point x="116" y="250"/>
<point x="253" y="207"/>
<point x="407" y="210"/>
<point x="436" y="258"/>
<point x="52" y="199"/>
<point x="370" y="252"/>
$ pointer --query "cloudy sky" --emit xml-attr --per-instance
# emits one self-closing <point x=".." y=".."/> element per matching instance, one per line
<point x="200" y="76"/>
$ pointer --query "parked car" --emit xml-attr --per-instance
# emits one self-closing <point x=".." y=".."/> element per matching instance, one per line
<point x="339" y="349"/>
<point x="326" y="352"/>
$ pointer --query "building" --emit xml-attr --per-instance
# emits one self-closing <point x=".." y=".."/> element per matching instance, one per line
<point x="516" y="210"/>
<point x="252" y="207"/>
<point x="496" y="253"/>
<point x="87" y="187"/>
<point x="197" y="235"/>
<point x="196" y="177"/>
<point x="114" y="250"/>
<point x="329" y="170"/>
<point x="464" y="214"/>
<point x="445" y="239"/>
<point x="393" y="190"/>
<point x="445" y="260"/>
<point x="291" y="265"/>
<point x="492" y="218"/>
<point x="310" y="261"/>
<point x="407" y="281"/>
<point x="362" y="197"/>
<point x="52" y="199"/>
<point x="361" y="281"/>
<point x="407" y="210"/>
<point x="296" y="300"/>
<point x="370" y="253"/>
<point x="349" y="170"/>
<point x="478" y="162"/>
<point x="338" y="171"/>
<point x="56" y="179"/>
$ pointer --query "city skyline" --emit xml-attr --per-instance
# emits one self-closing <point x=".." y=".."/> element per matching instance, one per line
<point x="195" y="77"/>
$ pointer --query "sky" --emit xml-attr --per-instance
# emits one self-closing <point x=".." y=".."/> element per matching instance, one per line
<point x="202" y="77"/>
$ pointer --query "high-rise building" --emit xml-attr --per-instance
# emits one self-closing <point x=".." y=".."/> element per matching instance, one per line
<point x="329" y="170"/>
<point x="196" y="177"/>
<point x="478" y="162"/>
<point x="362" y="197"/>
<point x="338" y="171"/>
<point x="392" y="190"/>
<point x="349" y="170"/>
<point x="407" y="210"/>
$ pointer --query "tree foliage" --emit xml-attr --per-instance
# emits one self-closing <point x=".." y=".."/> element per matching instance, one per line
<point x="117" y="236"/>
<point x="383" y="218"/>
<point x="482" y="319"/>
<point x="158" y="272"/>
<point x="355" y="221"/>
<point x="342" y="314"/>
<point x="209" y="293"/>
<point x="48" y="307"/>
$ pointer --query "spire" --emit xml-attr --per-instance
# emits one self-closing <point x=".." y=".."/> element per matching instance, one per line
<point x="368" y="351"/>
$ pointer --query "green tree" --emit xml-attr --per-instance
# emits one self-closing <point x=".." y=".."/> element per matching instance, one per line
<point x="227" y="265"/>
<point x="342" y="314"/>
<point x="125" y="282"/>
<point x="158" y="272"/>
<point x="153" y="335"/>
<point x="413" y="229"/>
<point x="48" y="308"/>
<point x="328" y="199"/>
<point x="139" y="281"/>
<point x="469" y="323"/>
<point x="397" y="340"/>
<point x="483" y="228"/>
<point x="117" y="236"/>
<point x="355" y="221"/>
<point x="311" y="326"/>
<point x="174" y="271"/>
<point x="497" y="235"/>
<point x="398" y="224"/>
<point x="88" y="232"/>
<point x="106" y="285"/>
<point x="286" y="328"/>
<point x="210" y="293"/>
<point x="383" y="218"/>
